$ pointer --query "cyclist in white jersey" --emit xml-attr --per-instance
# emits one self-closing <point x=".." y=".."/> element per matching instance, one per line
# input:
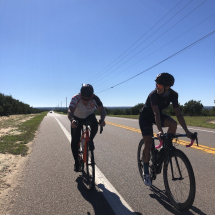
<point x="81" y="109"/>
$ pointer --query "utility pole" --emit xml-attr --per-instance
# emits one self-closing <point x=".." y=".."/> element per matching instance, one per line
<point x="66" y="102"/>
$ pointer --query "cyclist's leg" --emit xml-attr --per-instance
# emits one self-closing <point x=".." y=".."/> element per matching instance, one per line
<point x="93" y="126"/>
<point x="75" y="133"/>
<point x="169" y="122"/>
<point x="146" y="152"/>
<point x="147" y="133"/>
<point x="94" y="129"/>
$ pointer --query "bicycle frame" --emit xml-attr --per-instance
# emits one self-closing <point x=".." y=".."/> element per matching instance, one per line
<point x="167" y="152"/>
<point x="87" y="138"/>
<point x="168" y="149"/>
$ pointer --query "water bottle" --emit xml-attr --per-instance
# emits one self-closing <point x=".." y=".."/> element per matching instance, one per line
<point x="82" y="143"/>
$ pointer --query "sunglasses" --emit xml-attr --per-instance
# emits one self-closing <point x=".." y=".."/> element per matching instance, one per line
<point x="85" y="99"/>
<point x="159" y="86"/>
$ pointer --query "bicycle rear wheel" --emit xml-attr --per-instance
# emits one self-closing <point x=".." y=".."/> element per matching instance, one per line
<point x="90" y="168"/>
<point x="179" y="180"/>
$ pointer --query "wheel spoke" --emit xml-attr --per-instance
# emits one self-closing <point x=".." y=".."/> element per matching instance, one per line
<point x="179" y="184"/>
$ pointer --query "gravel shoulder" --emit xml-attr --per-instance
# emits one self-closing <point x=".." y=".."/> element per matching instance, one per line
<point x="11" y="166"/>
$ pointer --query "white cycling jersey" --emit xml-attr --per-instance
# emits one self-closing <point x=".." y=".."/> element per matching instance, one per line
<point x="82" y="111"/>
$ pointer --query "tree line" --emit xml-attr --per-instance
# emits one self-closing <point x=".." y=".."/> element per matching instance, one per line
<point x="11" y="106"/>
<point x="190" y="108"/>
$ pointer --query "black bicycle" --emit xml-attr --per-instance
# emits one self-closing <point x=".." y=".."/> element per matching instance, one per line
<point x="86" y="155"/>
<point x="178" y="175"/>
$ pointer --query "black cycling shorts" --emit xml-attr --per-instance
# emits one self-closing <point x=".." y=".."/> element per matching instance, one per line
<point x="146" y="123"/>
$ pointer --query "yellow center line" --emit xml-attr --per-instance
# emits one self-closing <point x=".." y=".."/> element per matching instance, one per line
<point x="182" y="142"/>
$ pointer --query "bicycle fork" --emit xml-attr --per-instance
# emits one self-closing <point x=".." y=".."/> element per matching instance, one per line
<point x="179" y="170"/>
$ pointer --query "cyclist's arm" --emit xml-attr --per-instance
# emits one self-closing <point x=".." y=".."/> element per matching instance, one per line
<point x="102" y="113"/>
<point x="70" y="113"/>
<point x="157" y="118"/>
<point x="182" y="121"/>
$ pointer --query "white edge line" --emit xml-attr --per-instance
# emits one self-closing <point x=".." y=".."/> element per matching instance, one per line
<point x="116" y="201"/>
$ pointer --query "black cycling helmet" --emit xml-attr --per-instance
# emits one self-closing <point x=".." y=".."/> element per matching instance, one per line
<point x="165" y="79"/>
<point x="87" y="90"/>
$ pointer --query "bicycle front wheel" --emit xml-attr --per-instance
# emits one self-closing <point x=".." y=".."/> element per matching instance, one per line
<point x="179" y="180"/>
<point x="90" y="168"/>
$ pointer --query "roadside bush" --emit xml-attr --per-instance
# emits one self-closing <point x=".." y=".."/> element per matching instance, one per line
<point x="136" y="109"/>
<point x="212" y="112"/>
<point x="169" y="111"/>
<point x="193" y="108"/>
<point x="117" y="112"/>
<point x="206" y="112"/>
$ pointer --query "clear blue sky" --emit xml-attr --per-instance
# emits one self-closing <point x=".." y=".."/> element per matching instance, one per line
<point x="48" y="48"/>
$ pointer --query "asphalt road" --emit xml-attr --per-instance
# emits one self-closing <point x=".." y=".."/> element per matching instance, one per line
<point x="51" y="186"/>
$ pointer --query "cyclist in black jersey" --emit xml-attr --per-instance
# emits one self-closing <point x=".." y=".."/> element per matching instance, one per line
<point x="151" y="113"/>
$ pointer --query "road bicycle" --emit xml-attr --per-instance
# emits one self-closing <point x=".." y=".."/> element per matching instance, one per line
<point x="178" y="175"/>
<point x="86" y="155"/>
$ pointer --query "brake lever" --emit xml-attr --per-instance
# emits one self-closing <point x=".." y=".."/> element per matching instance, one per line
<point x="161" y="142"/>
<point x="194" y="137"/>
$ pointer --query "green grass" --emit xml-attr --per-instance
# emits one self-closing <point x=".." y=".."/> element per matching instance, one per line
<point x="198" y="121"/>
<point x="16" y="144"/>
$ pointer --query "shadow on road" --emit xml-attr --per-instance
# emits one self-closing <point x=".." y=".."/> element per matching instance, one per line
<point x="96" y="198"/>
<point x="115" y="198"/>
<point x="161" y="197"/>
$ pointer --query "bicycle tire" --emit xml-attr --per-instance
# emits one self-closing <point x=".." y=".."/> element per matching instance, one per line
<point x="90" y="163"/>
<point x="139" y="157"/>
<point x="80" y="158"/>
<point x="185" y="184"/>
<point x="140" y="160"/>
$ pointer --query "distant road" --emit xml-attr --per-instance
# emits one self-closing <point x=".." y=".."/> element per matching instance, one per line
<point x="52" y="187"/>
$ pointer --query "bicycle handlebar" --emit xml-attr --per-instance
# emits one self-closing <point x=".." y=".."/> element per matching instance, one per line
<point x="165" y="136"/>
<point x="87" y="123"/>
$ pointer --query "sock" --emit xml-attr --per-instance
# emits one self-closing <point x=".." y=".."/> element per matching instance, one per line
<point x="146" y="168"/>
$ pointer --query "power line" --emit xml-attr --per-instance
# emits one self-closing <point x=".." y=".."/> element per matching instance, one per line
<point x="137" y="40"/>
<point x="182" y="50"/>
<point x="146" y="40"/>
<point x="158" y="49"/>
<point x="155" y="39"/>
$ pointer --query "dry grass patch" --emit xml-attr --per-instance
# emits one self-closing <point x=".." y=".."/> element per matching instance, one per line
<point x="16" y="135"/>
